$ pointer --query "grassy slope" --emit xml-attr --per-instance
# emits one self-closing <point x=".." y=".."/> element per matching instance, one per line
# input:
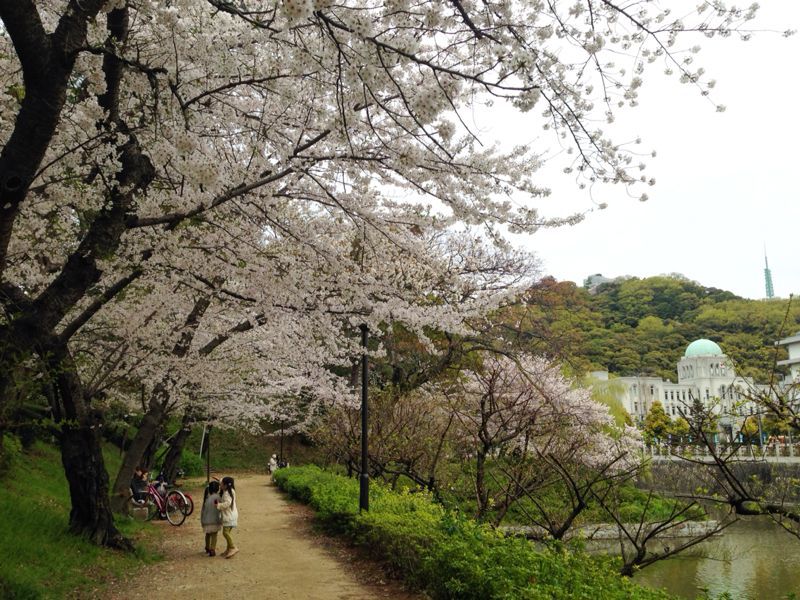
<point x="242" y="451"/>
<point x="39" y="558"/>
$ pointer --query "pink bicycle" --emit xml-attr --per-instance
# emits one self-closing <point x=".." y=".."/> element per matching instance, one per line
<point x="173" y="505"/>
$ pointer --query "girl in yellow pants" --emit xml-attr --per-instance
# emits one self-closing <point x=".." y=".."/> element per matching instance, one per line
<point x="230" y="515"/>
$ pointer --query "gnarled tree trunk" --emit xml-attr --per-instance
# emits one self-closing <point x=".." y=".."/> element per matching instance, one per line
<point x="176" y="444"/>
<point x="151" y="422"/>
<point x="81" y="456"/>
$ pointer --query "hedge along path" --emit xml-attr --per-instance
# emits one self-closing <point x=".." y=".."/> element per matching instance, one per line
<point x="280" y="557"/>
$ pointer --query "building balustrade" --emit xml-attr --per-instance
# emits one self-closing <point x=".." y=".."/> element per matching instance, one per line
<point x="772" y="452"/>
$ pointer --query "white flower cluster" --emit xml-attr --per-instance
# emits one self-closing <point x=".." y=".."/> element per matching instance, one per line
<point x="528" y="404"/>
<point x="594" y="43"/>
<point x="298" y="10"/>
<point x="426" y="105"/>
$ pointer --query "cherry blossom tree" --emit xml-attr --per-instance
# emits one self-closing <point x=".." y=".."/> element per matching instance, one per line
<point x="523" y="423"/>
<point x="409" y="436"/>
<point x="242" y="349"/>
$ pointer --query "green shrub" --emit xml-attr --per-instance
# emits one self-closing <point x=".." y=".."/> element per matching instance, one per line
<point x="191" y="464"/>
<point x="450" y="556"/>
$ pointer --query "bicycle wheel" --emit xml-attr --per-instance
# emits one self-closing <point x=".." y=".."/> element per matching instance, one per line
<point x="189" y="506"/>
<point x="140" y="510"/>
<point x="186" y="503"/>
<point x="174" y="505"/>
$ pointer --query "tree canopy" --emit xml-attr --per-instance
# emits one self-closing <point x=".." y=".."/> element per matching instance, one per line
<point x="643" y="326"/>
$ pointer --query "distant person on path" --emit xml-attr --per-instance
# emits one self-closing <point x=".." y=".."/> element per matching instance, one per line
<point x="230" y="515"/>
<point x="272" y="466"/>
<point x="211" y="518"/>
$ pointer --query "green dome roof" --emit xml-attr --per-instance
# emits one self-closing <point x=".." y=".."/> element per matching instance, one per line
<point x="703" y="347"/>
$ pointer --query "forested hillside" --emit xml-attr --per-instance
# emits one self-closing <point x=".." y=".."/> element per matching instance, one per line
<point x="644" y="325"/>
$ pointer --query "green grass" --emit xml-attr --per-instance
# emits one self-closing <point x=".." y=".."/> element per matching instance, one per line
<point x="39" y="558"/>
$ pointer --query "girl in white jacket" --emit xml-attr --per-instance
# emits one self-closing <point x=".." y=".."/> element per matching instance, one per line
<point x="230" y="515"/>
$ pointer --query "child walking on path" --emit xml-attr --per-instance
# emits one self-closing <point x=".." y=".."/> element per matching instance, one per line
<point x="230" y="515"/>
<point x="211" y="518"/>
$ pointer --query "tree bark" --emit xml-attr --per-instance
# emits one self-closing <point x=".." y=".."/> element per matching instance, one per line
<point x="176" y="445"/>
<point x="81" y="456"/>
<point x="151" y="422"/>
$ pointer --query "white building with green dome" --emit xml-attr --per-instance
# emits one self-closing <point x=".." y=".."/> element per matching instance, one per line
<point x="704" y="372"/>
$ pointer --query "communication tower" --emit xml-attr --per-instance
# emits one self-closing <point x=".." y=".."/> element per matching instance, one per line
<point x="768" y="277"/>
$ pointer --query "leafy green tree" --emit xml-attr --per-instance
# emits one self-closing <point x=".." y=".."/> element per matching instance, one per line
<point x="657" y="423"/>
<point x="679" y="428"/>
<point x="609" y="393"/>
<point x="553" y="318"/>
<point x="750" y="430"/>
<point x="703" y="422"/>
<point x="774" y="425"/>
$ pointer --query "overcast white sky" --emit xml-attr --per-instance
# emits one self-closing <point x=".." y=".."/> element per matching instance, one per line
<point x="727" y="182"/>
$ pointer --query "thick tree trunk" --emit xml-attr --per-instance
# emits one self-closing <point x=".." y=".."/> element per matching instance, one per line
<point x="82" y="457"/>
<point x="151" y="422"/>
<point x="176" y="445"/>
<point x="148" y="461"/>
<point x="88" y="486"/>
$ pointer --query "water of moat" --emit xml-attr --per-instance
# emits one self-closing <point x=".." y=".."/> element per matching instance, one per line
<point x="754" y="559"/>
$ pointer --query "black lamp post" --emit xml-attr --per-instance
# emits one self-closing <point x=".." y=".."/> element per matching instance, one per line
<point x="363" y="500"/>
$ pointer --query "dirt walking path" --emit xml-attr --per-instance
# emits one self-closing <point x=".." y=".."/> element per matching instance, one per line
<point x="280" y="556"/>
